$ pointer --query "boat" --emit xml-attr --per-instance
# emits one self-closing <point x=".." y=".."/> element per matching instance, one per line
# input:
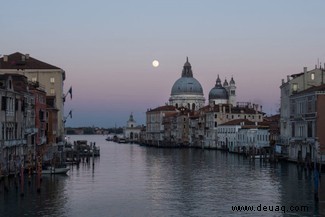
<point x="109" y="138"/>
<point x="121" y="140"/>
<point x="55" y="170"/>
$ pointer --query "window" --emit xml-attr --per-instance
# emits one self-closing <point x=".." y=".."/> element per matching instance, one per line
<point x="293" y="129"/>
<point x="309" y="129"/>
<point x="3" y="103"/>
<point x="294" y="87"/>
<point x="52" y="80"/>
<point x="52" y="91"/>
<point x="34" y="79"/>
<point x="312" y="76"/>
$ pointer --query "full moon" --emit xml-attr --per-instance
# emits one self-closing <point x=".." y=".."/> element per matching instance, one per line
<point x="155" y="63"/>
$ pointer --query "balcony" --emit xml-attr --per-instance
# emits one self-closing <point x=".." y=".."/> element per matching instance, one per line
<point x="31" y="130"/>
<point x="14" y="142"/>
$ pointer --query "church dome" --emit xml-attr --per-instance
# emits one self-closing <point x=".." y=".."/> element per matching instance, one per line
<point x="187" y="84"/>
<point x="218" y="91"/>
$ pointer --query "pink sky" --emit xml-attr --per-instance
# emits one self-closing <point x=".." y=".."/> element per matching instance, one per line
<point x="107" y="48"/>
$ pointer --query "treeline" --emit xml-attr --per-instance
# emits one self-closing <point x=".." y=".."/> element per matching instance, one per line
<point x="92" y="130"/>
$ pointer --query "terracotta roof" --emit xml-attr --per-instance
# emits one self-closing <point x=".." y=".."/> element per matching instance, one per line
<point x="272" y="118"/>
<point x="21" y="61"/>
<point x="163" y="108"/>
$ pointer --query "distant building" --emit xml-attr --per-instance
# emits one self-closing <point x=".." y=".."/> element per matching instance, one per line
<point x="154" y="120"/>
<point x="176" y="127"/>
<point x="211" y="116"/>
<point x="187" y="121"/>
<point x="132" y="130"/>
<point x="240" y="135"/>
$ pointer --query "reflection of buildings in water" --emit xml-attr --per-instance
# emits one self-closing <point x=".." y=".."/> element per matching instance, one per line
<point x="297" y="187"/>
<point x="198" y="177"/>
<point x="52" y="196"/>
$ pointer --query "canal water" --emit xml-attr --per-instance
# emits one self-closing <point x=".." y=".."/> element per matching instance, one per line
<point x="131" y="180"/>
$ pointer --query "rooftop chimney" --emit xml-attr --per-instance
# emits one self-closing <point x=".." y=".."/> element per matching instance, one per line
<point x="5" y="58"/>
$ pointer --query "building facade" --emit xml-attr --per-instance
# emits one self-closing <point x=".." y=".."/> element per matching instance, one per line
<point x="17" y="123"/>
<point x="299" y="114"/>
<point x="49" y="76"/>
<point x="154" y="124"/>
<point x="132" y="131"/>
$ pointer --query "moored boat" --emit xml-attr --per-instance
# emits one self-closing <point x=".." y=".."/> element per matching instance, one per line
<point x="55" y="170"/>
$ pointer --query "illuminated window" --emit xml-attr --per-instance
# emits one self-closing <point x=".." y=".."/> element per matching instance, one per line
<point x="34" y="79"/>
<point x="294" y="87"/>
<point x="312" y="76"/>
<point x="52" y="80"/>
<point x="52" y="91"/>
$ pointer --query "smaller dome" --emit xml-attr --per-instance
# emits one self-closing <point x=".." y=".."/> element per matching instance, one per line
<point x="218" y="91"/>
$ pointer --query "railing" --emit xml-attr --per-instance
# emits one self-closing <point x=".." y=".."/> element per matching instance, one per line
<point x="15" y="142"/>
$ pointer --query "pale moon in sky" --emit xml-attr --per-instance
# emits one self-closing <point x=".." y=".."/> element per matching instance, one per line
<point x="155" y="63"/>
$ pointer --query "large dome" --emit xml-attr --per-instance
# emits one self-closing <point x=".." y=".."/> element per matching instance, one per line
<point x="218" y="91"/>
<point x="187" y="84"/>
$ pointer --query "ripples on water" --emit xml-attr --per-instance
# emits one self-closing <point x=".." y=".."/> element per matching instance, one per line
<point x="130" y="180"/>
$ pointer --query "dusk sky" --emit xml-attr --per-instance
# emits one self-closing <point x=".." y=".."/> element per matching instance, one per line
<point x="107" y="48"/>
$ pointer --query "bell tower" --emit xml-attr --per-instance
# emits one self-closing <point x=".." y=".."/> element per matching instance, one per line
<point x="231" y="88"/>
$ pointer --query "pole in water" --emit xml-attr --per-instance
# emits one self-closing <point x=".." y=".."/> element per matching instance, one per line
<point x="22" y="180"/>
<point x="39" y="170"/>
<point x="316" y="182"/>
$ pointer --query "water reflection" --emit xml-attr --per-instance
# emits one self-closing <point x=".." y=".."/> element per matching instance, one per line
<point x="130" y="180"/>
<point x="51" y="198"/>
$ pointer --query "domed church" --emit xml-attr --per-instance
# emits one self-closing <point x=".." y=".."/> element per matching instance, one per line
<point x="187" y="91"/>
<point x="225" y="94"/>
